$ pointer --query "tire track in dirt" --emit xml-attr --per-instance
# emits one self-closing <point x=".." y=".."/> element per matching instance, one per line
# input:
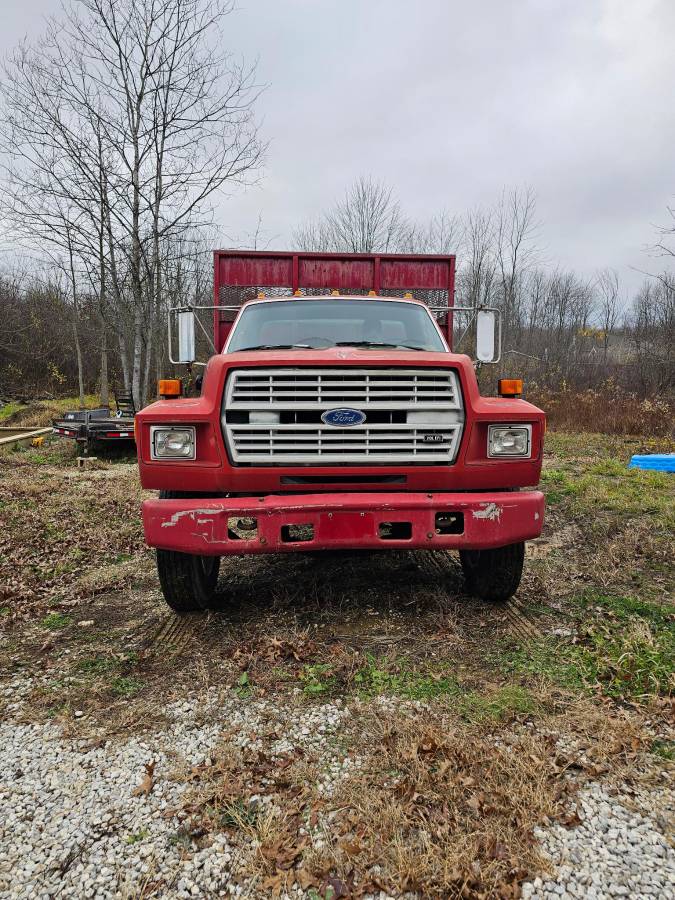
<point x="175" y="633"/>
<point x="520" y="621"/>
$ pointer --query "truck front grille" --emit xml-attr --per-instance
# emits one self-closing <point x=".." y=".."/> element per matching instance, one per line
<point x="412" y="416"/>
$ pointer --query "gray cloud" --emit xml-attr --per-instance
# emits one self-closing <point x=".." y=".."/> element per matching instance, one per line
<point x="448" y="102"/>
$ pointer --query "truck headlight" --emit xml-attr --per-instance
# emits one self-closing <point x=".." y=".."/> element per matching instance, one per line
<point x="509" y="440"/>
<point x="172" y="442"/>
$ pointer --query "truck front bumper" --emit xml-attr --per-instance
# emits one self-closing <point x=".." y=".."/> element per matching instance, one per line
<point x="368" y="521"/>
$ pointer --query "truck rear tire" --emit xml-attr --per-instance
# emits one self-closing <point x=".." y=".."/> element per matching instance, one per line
<point x="188" y="580"/>
<point x="493" y="574"/>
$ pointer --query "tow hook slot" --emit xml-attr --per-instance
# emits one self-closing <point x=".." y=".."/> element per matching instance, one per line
<point x="395" y="531"/>
<point x="449" y="523"/>
<point x="242" y="528"/>
<point x="293" y="534"/>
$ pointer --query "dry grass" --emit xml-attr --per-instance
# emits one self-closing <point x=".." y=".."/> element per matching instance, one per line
<point x="490" y="714"/>
<point x="63" y="533"/>
<point x="443" y="809"/>
<point x="608" y="409"/>
<point x="39" y="413"/>
<point x="430" y="805"/>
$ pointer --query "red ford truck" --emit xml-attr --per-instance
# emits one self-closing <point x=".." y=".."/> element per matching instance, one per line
<point x="334" y="415"/>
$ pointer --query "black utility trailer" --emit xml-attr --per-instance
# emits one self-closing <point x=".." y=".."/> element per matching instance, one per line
<point x="92" y="426"/>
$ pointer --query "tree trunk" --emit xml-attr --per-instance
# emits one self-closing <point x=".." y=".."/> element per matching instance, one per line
<point x="105" y="393"/>
<point x="124" y="359"/>
<point x="148" y="363"/>
<point x="76" y="316"/>
<point x="137" y="360"/>
<point x="78" y="351"/>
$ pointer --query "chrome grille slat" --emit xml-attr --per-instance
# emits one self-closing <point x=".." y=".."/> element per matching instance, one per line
<point x="290" y="391"/>
<point x="319" y="388"/>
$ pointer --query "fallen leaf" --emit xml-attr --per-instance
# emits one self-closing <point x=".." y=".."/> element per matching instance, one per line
<point x="474" y="803"/>
<point x="340" y="889"/>
<point x="148" y="782"/>
<point x="499" y="851"/>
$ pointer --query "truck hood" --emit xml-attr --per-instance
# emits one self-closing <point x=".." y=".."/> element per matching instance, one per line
<point x="347" y="355"/>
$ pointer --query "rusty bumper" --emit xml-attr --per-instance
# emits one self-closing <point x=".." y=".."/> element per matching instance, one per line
<point x="369" y="521"/>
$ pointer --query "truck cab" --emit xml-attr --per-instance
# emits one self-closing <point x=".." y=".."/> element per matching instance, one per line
<point x="337" y="418"/>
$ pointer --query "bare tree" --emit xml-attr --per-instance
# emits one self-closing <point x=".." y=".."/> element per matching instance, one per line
<point x="368" y="219"/>
<point x="441" y="234"/>
<point x="129" y="112"/>
<point x="665" y="243"/>
<point x="515" y="236"/>
<point x="478" y="273"/>
<point x="608" y="307"/>
<point x="651" y="325"/>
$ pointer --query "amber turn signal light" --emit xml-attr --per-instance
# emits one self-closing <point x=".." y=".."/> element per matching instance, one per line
<point x="169" y="387"/>
<point x="510" y="387"/>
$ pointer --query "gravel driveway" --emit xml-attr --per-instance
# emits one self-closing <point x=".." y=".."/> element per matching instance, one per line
<point x="84" y="819"/>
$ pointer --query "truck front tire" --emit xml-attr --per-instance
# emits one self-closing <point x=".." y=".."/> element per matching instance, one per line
<point x="188" y="581"/>
<point x="493" y="574"/>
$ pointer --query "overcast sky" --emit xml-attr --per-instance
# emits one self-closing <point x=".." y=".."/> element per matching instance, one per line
<point x="450" y="101"/>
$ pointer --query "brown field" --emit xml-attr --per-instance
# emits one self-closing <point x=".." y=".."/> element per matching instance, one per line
<point x="463" y="721"/>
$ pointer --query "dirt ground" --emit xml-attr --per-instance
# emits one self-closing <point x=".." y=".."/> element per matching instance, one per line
<point x="574" y="676"/>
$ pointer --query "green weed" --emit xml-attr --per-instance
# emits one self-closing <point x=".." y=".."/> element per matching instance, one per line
<point x="136" y="836"/>
<point x="375" y="678"/>
<point x="123" y="557"/>
<point x="629" y="660"/>
<point x="103" y="665"/>
<point x="611" y="486"/>
<point x="625" y="608"/>
<point x="38" y="459"/>
<point x="665" y="749"/>
<point x="317" y="679"/>
<point x="499" y="705"/>
<point x="243" y="687"/>
<point x="55" y="621"/>
<point x="239" y="815"/>
<point x="126" y="686"/>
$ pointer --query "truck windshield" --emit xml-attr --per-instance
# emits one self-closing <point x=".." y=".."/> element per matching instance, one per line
<point x="319" y="324"/>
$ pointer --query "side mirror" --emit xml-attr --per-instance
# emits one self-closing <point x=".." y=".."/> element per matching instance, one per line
<point x="486" y="330"/>
<point x="186" y="336"/>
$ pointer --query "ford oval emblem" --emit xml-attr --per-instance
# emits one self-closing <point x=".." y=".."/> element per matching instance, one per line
<point x="343" y="418"/>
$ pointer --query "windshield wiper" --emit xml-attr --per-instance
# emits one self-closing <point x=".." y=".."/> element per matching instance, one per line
<point x="376" y="344"/>
<point x="276" y="347"/>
